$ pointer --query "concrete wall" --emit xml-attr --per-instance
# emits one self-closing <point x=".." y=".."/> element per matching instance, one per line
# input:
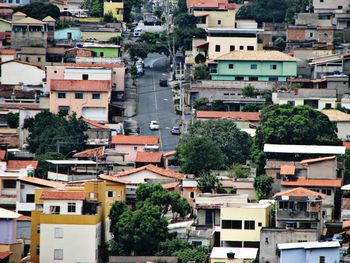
<point x="63" y="33"/>
<point x="322" y="170"/>
<point x="329" y="5"/>
<point x="64" y="206"/>
<point x="300" y="101"/>
<point x="343" y="130"/>
<point x="93" y="73"/>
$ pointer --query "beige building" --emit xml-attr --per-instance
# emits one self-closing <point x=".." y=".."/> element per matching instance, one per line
<point x="87" y="98"/>
<point x="341" y="120"/>
<point x="233" y="255"/>
<point x="215" y="18"/>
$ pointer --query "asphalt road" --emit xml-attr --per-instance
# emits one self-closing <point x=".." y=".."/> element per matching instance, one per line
<point x="156" y="103"/>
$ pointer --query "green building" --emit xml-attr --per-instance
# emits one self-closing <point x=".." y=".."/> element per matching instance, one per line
<point x="103" y="50"/>
<point x="254" y="66"/>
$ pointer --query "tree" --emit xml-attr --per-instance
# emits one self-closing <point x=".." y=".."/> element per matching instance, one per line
<point x="238" y="171"/>
<point x="280" y="43"/>
<point x="95" y="7"/>
<point x="204" y="104"/>
<point x="128" y="6"/>
<point x="263" y="186"/>
<point x="117" y="209"/>
<point x="252" y="107"/>
<point x="198" y="154"/>
<point x="49" y="131"/>
<point x="200" y="58"/>
<point x="248" y="91"/>
<point x="233" y="143"/>
<point x="209" y="182"/>
<point x="191" y="254"/>
<point x="201" y="72"/>
<point x="39" y="10"/>
<point x="44" y="166"/>
<point x="108" y="18"/>
<point x="137" y="50"/>
<point x="12" y="119"/>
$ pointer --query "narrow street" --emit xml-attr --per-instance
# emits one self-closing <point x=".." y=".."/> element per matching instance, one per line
<point x="156" y="103"/>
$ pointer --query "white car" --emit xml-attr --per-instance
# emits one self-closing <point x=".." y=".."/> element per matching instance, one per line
<point x="154" y="125"/>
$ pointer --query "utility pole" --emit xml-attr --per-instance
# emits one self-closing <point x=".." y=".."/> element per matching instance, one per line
<point x="182" y="100"/>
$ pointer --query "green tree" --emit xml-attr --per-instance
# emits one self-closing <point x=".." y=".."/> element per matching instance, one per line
<point x="280" y="43"/>
<point x="117" y="209"/>
<point x="191" y="254"/>
<point x="61" y="24"/>
<point x="198" y="154"/>
<point x="238" y="171"/>
<point x="95" y="7"/>
<point x="128" y="7"/>
<point x="252" y="107"/>
<point x="44" y="166"/>
<point x="234" y="144"/>
<point x="108" y="18"/>
<point x="39" y="10"/>
<point x="48" y="130"/>
<point x="209" y="182"/>
<point x="263" y="186"/>
<point x="248" y="91"/>
<point x="201" y="72"/>
<point x="12" y="119"/>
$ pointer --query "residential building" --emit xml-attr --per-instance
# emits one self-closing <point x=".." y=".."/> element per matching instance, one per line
<point x="299" y="208"/>
<point x="102" y="53"/>
<point x="23" y="232"/>
<point x="87" y="98"/>
<point x="241" y="119"/>
<point x="214" y="17"/>
<point x="190" y="189"/>
<point x="17" y="2"/>
<point x="240" y="224"/>
<point x="6" y="11"/>
<point x="114" y="7"/>
<point x="130" y="145"/>
<point x="318" y="99"/>
<point x="144" y="158"/>
<point x="233" y="255"/>
<point x="71" y="33"/>
<point x="254" y="66"/>
<point x="239" y="186"/>
<point x="7" y="55"/>
<point x="8" y="242"/>
<point x="326" y="6"/>
<point x="342" y="122"/>
<point x="309" y="252"/>
<point x="333" y="64"/>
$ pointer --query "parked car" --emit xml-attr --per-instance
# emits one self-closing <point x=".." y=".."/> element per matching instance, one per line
<point x="154" y="125"/>
<point x="137" y="32"/>
<point x="175" y="130"/>
<point x="163" y="82"/>
<point x="140" y="70"/>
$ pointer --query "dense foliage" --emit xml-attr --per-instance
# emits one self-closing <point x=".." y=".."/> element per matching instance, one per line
<point x="44" y="166"/>
<point x="263" y="186"/>
<point x="39" y="10"/>
<point x="95" y="7"/>
<point x="12" y="119"/>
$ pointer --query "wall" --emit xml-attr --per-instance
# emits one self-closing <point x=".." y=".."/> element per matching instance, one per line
<point x="5" y="26"/>
<point x="8" y="231"/>
<point x="328" y="5"/>
<point x="15" y="248"/>
<point x="201" y="216"/>
<point x="139" y="177"/>
<point x="331" y="255"/>
<point x="323" y="170"/>
<point x="131" y="156"/>
<point x="296" y="34"/>
<point x="116" y="8"/>
<point x="107" y="52"/>
<point x="29" y="75"/>
<point x="300" y="101"/>
<point x="94" y="73"/>
<point x="293" y="255"/>
<point x="99" y="35"/>
<point x="63" y="33"/>
<point x="343" y="130"/>
<point x="64" y="206"/>
<point x="227" y="18"/>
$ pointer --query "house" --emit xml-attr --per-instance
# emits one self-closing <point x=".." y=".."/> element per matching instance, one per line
<point x="326" y="6"/>
<point x="114" y="7"/>
<point x="342" y="122"/>
<point x="190" y="189"/>
<point x="10" y="247"/>
<point x="318" y="99"/>
<point x="91" y="154"/>
<point x="254" y="66"/>
<point x="239" y="186"/>
<point x="17" y="2"/>
<point x="332" y="64"/>
<point x="144" y="158"/>
<point x="300" y="208"/>
<point x="309" y="252"/>
<point x="23" y="232"/>
<point x="6" y="12"/>
<point x="31" y="74"/>
<point x="345" y="203"/>
<point x="7" y="54"/>
<point x="102" y="53"/>
<point x="87" y="98"/>
<point x="242" y="119"/>
<point x="98" y="133"/>
<point x="233" y="255"/>
<point x="133" y="144"/>
<point x="70" y="33"/>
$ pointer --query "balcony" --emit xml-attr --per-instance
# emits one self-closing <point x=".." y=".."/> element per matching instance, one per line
<point x="288" y="214"/>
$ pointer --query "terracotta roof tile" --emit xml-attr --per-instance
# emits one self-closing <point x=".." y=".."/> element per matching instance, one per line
<point x="135" y="140"/>
<point x="80" y="85"/>
<point x="206" y="3"/>
<point x="347" y="145"/>
<point x="40" y="181"/>
<point x="299" y="192"/>
<point x="114" y="179"/>
<point x="24" y="218"/>
<point x="313" y="182"/>
<point x="23" y="106"/>
<point x="23" y="62"/>
<point x="315" y="160"/>
<point x="94" y="123"/>
<point x="148" y="157"/>
<point x="7" y="52"/>
<point x="171" y="185"/>
<point x="169" y="154"/>
<point x="236" y="115"/>
<point x="5" y="254"/>
<point x="90" y="153"/>
<point x="154" y="169"/>
<point x="62" y="195"/>
<point x="2" y="155"/>
<point x="21" y="164"/>
<point x="287" y="169"/>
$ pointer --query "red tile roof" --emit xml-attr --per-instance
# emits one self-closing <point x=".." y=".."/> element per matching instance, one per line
<point x="31" y="106"/>
<point x="90" y="153"/>
<point x="347" y="145"/>
<point x="299" y="192"/>
<point x="135" y="140"/>
<point x="21" y="164"/>
<point x="2" y="155"/>
<point x="94" y="123"/>
<point x="24" y="218"/>
<point x="236" y="115"/>
<point x="23" y="62"/>
<point x="287" y="169"/>
<point x="154" y="169"/>
<point x="41" y="182"/>
<point x="80" y="85"/>
<point x="313" y="182"/>
<point x="62" y="195"/>
<point x="7" y="52"/>
<point x="171" y="185"/>
<point x="169" y="154"/>
<point x="4" y="255"/>
<point x="315" y="160"/>
<point x="148" y="157"/>
<point x="114" y="179"/>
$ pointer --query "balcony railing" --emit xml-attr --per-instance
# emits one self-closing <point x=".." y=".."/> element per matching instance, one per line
<point x="301" y="215"/>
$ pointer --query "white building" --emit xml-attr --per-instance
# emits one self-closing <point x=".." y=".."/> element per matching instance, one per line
<point x="341" y="120"/>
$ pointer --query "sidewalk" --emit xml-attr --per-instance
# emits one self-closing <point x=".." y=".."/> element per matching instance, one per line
<point x="130" y="102"/>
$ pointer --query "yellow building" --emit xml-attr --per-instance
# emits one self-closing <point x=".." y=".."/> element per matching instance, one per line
<point x="215" y="18"/>
<point x="233" y="255"/>
<point x="73" y="219"/>
<point x="241" y="224"/>
<point x="116" y="8"/>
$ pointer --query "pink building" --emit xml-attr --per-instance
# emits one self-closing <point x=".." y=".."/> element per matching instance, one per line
<point x="133" y="144"/>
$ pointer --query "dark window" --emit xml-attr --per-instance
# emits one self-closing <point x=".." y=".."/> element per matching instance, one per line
<point x="38" y="250"/>
<point x="249" y="224"/>
<point x="278" y="175"/>
<point x="38" y="228"/>
<point x="327" y="191"/>
<point x="328" y="105"/>
<point x="231" y="224"/>
<point x="96" y="96"/>
<point x="286" y="205"/>
<point x="79" y="95"/>
<point x="273" y="78"/>
<point x="311" y="34"/>
<point x="110" y="194"/>
<point x="30" y="198"/>
<point x="219" y="22"/>
<point x="55" y="71"/>
<point x="196" y="243"/>
<point x="273" y="67"/>
<point x="250" y="47"/>
<point x="253" y="78"/>
<point x="101" y="54"/>
<point x="27" y="59"/>
<point x="39" y="59"/>
<point x="54" y="209"/>
<point x="232" y="48"/>
<point x="71" y="207"/>
<point x="209" y="217"/>
<point x="291" y="103"/>
<point x="217" y="48"/>
<point x="63" y="109"/>
<point x="192" y="195"/>
<point x="61" y="95"/>
<point x="322" y="259"/>
<point x="340" y="7"/>
<point x="241" y="47"/>
<point x="239" y="78"/>
<point x="85" y="76"/>
<point x="135" y="148"/>
<point x="230" y="66"/>
<point x="9" y="183"/>
<point x="69" y="35"/>
<point x="253" y="66"/>
<point x="259" y="224"/>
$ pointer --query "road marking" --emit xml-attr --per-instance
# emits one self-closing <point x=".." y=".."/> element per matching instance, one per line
<point x="156" y="105"/>
<point x="168" y="128"/>
<point x="165" y="99"/>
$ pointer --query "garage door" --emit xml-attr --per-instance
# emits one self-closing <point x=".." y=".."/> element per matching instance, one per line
<point x="94" y="113"/>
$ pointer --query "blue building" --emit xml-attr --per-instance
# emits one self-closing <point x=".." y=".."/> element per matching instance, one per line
<point x="68" y="33"/>
<point x="309" y="252"/>
<point x="17" y="2"/>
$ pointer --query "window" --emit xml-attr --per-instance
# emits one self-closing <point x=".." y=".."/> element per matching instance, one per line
<point x="328" y="105"/>
<point x="110" y="193"/>
<point x="79" y="95"/>
<point x="322" y="259"/>
<point x="311" y="34"/>
<point x="61" y="95"/>
<point x="101" y="54"/>
<point x="91" y="195"/>
<point x="273" y="78"/>
<point x="38" y="229"/>
<point x="286" y="205"/>
<point x="253" y="66"/>
<point x="249" y="224"/>
<point x="321" y="1"/>
<point x="30" y="198"/>
<point x="17" y="1"/>
<point x="96" y="96"/>
<point x="326" y="191"/>
<point x="209" y="217"/>
<point x="196" y="243"/>
<point x="239" y="78"/>
<point x="253" y="78"/>
<point x="55" y="71"/>
<point x="38" y="250"/>
<point x="217" y="48"/>
<point x="232" y="48"/>
<point x="63" y="109"/>
<point x="278" y="176"/>
<point x="71" y="207"/>
<point x="219" y="22"/>
<point x="69" y="35"/>
<point x="250" y="47"/>
<point x="58" y="254"/>
<point x="230" y="66"/>
<point x="9" y="184"/>
<point x="135" y="148"/>
<point x="231" y="224"/>
<point x="192" y="195"/>
<point x="273" y="66"/>
<point x="54" y="209"/>
<point x="27" y="59"/>
<point x="259" y="224"/>
<point x="85" y="76"/>
<point x="340" y="7"/>
<point x="58" y="232"/>
<point x="291" y="103"/>
<point x="325" y="35"/>
<point x="39" y="59"/>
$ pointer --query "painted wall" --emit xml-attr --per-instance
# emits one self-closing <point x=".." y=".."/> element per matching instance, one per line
<point x="93" y="73"/>
<point x="343" y="130"/>
<point x="300" y="101"/>
<point x="5" y="26"/>
<point x="63" y="33"/>
<point x="8" y="231"/>
<point x="99" y="35"/>
<point x="29" y="75"/>
<point x="116" y="8"/>
<point x="142" y="176"/>
<point x="105" y="52"/>
<point x="323" y="170"/>
<point x="310" y="255"/>
<point x="227" y="18"/>
<point x="63" y="206"/>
